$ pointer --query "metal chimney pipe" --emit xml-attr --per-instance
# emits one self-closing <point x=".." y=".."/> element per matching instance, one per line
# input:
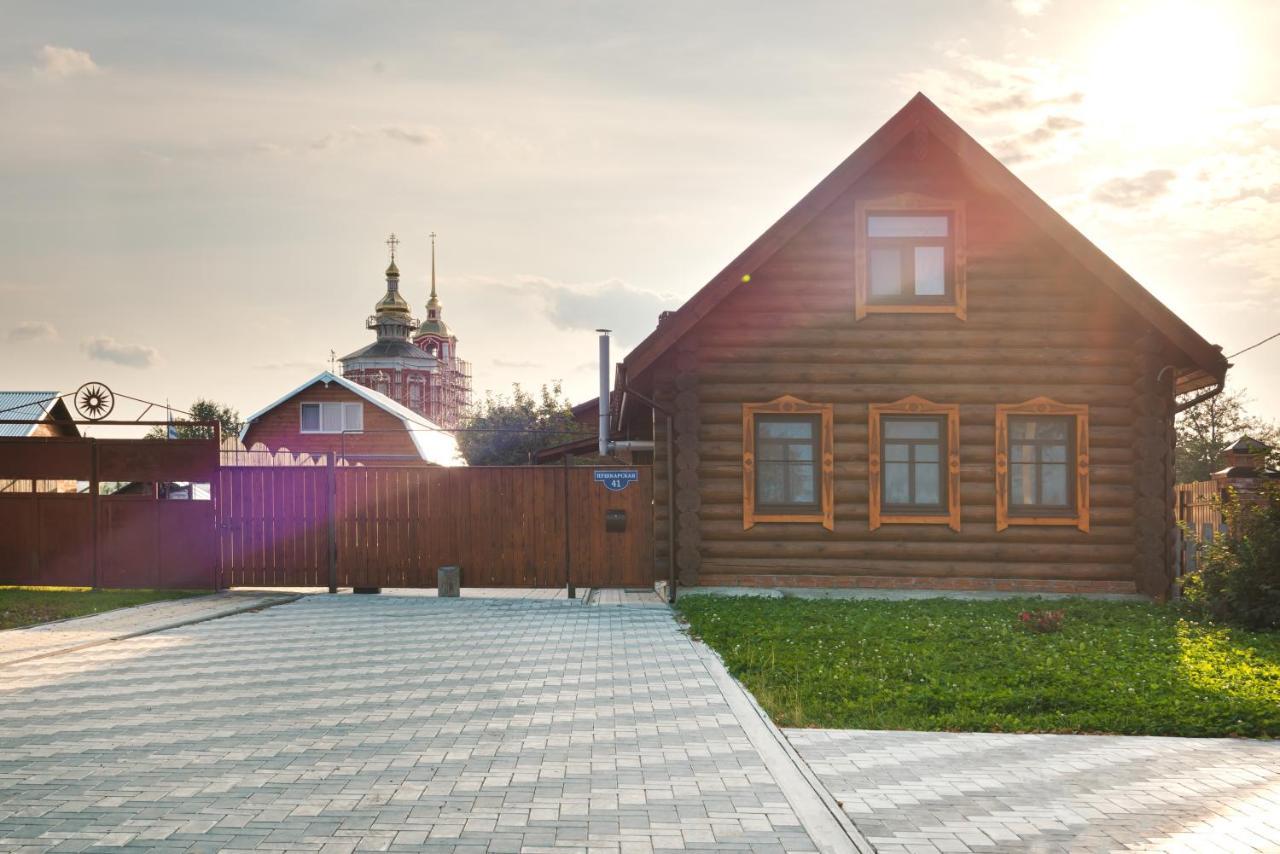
<point x="604" y="392"/>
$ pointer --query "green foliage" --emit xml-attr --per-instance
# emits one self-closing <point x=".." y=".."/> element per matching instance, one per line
<point x="1238" y="579"/>
<point x="1206" y="430"/>
<point x="506" y="430"/>
<point x="27" y="606"/>
<point x="940" y="664"/>
<point x="203" y="410"/>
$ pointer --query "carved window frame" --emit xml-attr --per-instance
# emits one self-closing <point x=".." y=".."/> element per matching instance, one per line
<point x="914" y="405"/>
<point x="1043" y="406"/>
<point x="904" y="203"/>
<point x="788" y="405"/>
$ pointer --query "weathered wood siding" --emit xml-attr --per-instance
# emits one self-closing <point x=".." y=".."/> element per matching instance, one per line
<point x="384" y="434"/>
<point x="1037" y="325"/>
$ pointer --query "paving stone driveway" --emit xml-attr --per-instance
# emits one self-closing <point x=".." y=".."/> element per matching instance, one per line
<point x="377" y="723"/>
<point x="932" y="792"/>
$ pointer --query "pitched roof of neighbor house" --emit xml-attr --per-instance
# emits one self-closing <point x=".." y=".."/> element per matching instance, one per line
<point x="433" y="443"/>
<point x="1210" y="364"/>
<point x="33" y="405"/>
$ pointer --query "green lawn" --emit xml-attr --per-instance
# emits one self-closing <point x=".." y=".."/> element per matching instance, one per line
<point x="26" y="606"/>
<point x="939" y="664"/>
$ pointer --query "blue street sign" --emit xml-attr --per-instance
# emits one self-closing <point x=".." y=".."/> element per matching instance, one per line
<point x="616" y="480"/>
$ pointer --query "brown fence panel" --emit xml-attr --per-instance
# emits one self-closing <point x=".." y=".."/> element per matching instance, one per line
<point x="273" y="526"/>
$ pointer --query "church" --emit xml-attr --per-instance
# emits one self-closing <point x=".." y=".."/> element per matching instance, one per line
<point x="415" y="364"/>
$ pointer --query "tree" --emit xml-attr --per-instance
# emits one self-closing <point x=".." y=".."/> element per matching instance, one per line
<point x="1207" y="429"/>
<point x="506" y="430"/>
<point x="202" y="410"/>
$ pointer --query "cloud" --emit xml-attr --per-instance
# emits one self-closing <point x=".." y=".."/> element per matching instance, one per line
<point x="629" y="311"/>
<point x="287" y="366"/>
<point x="510" y="363"/>
<point x="64" y="62"/>
<point x="1025" y="99"/>
<point x="1133" y="192"/>
<point x="1029" y="8"/>
<point x="105" y="349"/>
<point x="416" y="137"/>
<point x="33" y="330"/>
<point x="1024" y="146"/>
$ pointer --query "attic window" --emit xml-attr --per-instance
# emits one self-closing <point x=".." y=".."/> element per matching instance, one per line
<point x="909" y="255"/>
<point x="332" y="418"/>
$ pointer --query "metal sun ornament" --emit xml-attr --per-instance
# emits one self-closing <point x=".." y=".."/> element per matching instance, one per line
<point x="94" y="401"/>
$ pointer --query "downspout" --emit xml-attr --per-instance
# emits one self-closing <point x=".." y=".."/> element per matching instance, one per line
<point x="603" y="400"/>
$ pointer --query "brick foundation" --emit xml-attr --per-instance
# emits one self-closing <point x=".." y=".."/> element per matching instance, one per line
<point x="1004" y="585"/>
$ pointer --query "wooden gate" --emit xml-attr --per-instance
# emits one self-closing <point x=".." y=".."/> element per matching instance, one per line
<point x="393" y="526"/>
<point x="107" y="512"/>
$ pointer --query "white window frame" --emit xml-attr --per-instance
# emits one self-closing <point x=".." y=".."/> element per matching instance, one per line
<point x="352" y="416"/>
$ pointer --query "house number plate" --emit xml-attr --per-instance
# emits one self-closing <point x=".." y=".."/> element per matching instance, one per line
<point x="616" y="480"/>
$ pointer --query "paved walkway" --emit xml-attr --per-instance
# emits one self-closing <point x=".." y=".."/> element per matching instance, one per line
<point x="958" y="792"/>
<point x="21" y="644"/>
<point x="386" y="723"/>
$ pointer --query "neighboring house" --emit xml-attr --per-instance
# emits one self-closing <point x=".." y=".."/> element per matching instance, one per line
<point x="42" y="413"/>
<point x="921" y="376"/>
<point x="331" y="414"/>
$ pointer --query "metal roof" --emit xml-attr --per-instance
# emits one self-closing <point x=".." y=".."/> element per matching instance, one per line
<point x="16" y="405"/>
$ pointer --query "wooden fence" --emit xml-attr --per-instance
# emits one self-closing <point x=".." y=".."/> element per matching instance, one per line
<point x="393" y="526"/>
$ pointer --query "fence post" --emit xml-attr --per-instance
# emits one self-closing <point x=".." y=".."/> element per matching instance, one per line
<point x="331" y="512"/>
<point x="568" y="577"/>
<point x="94" y="505"/>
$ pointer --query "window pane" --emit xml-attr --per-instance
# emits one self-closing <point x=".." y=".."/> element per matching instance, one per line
<point x="897" y="489"/>
<point x="353" y="416"/>
<point x="896" y="453"/>
<point x="927" y="453"/>
<point x="928" y="490"/>
<point x="1024" y="427"/>
<point x="1054" y="453"/>
<point x="1054" y="485"/>
<point x="906" y="226"/>
<point x="1022" y="453"/>
<point x="797" y="451"/>
<point x="771" y="483"/>
<point x="1051" y="428"/>
<point x="1021" y="427"/>
<point x="1022" y="484"/>
<point x="802" y="491"/>
<point x="310" y="417"/>
<point x="331" y="417"/>
<point x="911" y="428"/>
<point x="886" y="272"/>
<point x="800" y="428"/>
<point x="931" y="276"/>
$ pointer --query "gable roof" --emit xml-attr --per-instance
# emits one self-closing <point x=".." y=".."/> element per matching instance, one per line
<point x="433" y="443"/>
<point x="1210" y="364"/>
<point x="34" y="405"/>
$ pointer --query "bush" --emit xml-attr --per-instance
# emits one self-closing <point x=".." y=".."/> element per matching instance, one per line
<point x="1239" y="576"/>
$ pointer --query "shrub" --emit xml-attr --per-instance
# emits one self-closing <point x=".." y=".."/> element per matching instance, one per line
<point x="1239" y="576"/>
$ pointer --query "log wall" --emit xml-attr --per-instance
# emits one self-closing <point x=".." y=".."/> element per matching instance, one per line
<point x="1037" y="325"/>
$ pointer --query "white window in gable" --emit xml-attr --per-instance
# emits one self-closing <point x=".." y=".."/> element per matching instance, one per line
<point x="909" y="257"/>
<point x="332" y="417"/>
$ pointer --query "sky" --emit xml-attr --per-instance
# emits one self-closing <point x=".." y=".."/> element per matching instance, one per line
<point x="194" y="197"/>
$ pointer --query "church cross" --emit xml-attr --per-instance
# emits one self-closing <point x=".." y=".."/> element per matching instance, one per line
<point x="393" y="242"/>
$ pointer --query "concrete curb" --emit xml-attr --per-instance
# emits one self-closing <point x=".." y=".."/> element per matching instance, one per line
<point x="823" y="819"/>
<point x="204" y="618"/>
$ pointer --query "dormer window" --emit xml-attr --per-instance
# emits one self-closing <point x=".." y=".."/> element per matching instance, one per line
<point x="909" y="256"/>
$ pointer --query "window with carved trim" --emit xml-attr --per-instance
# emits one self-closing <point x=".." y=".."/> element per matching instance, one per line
<point x="914" y="463"/>
<point x="1042" y="464"/>
<point x="787" y="462"/>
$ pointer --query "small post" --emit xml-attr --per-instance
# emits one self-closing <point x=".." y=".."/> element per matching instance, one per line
<point x="331" y="507"/>
<point x="568" y="576"/>
<point x="449" y="582"/>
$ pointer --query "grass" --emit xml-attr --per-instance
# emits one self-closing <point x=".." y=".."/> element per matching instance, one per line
<point x="27" y="606"/>
<point x="940" y="664"/>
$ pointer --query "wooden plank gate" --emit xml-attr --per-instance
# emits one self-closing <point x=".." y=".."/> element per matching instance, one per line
<point x="393" y="526"/>
<point x="84" y="512"/>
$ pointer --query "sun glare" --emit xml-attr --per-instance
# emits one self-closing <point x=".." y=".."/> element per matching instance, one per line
<point x="1162" y="67"/>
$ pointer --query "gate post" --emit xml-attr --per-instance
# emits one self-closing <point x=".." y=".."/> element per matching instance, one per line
<point x="568" y="578"/>
<point x="94" y="505"/>
<point x="331" y="511"/>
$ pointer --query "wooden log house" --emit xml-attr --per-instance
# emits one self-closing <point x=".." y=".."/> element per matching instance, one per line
<point x="921" y="376"/>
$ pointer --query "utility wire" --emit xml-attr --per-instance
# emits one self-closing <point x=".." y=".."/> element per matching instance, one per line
<point x="1251" y="346"/>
